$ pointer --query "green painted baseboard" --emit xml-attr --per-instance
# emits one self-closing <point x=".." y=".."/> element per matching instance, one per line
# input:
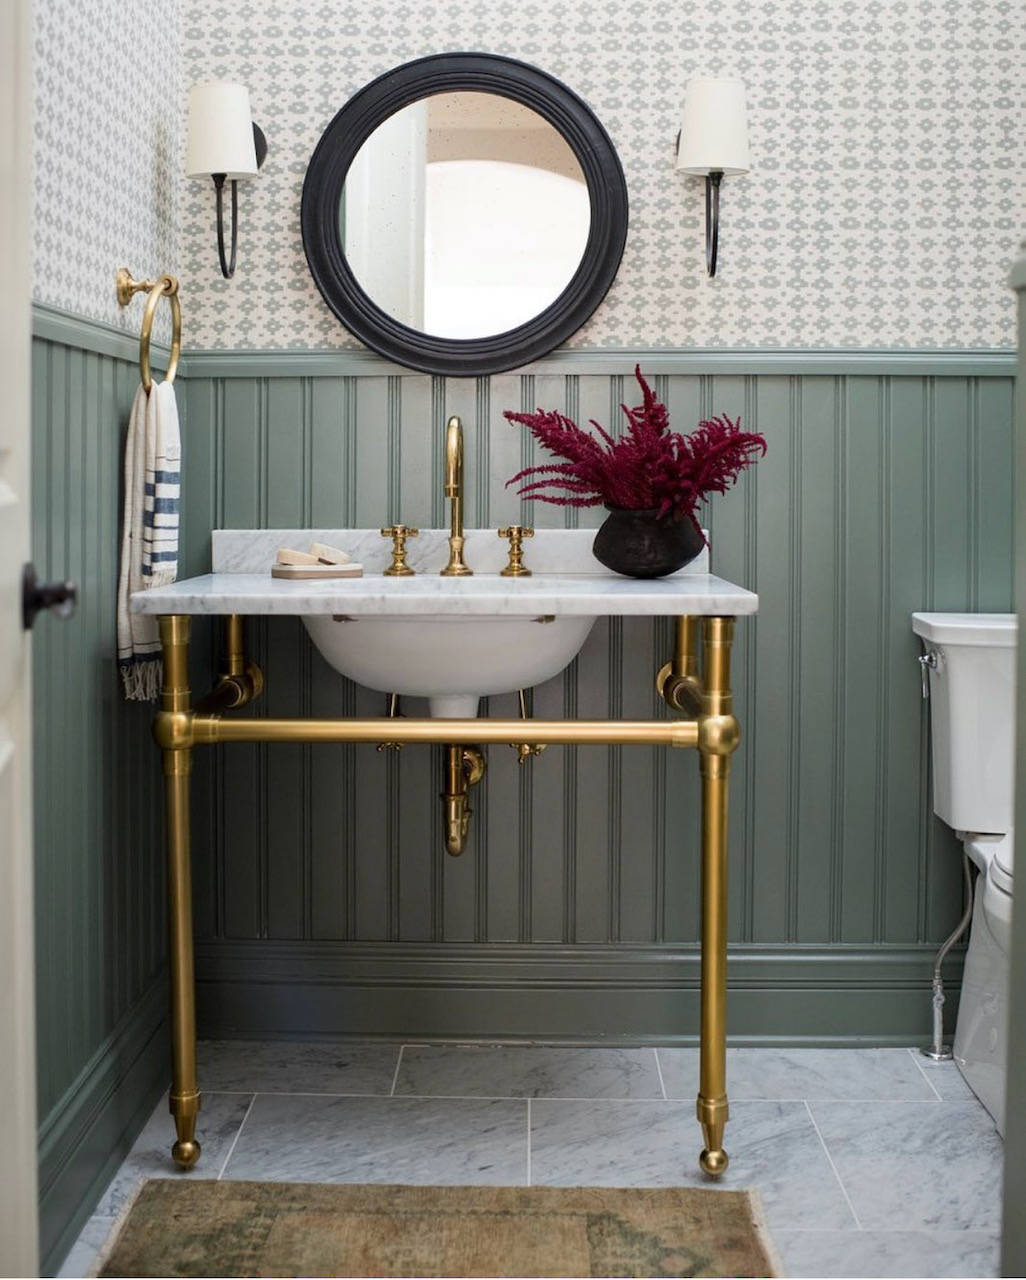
<point x="87" y="1135"/>
<point x="778" y="995"/>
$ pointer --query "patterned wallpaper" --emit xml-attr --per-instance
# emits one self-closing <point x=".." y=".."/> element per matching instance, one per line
<point x="883" y="208"/>
<point x="108" y="129"/>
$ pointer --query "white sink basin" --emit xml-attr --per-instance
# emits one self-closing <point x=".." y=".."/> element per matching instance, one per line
<point x="451" y="661"/>
<point x="451" y="657"/>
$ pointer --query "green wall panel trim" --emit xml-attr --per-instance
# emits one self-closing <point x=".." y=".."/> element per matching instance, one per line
<point x="79" y="332"/>
<point x="879" y="495"/>
<point x="69" y="329"/>
<point x="98" y="863"/>
<point x="86" y="1136"/>
<point x="100" y="933"/>
<point x="744" y="361"/>
<point x="782" y="995"/>
<point x="844" y="528"/>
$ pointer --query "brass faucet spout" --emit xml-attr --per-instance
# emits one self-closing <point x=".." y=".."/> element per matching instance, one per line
<point x="454" y="458"/>
<point x="457" y="567"/>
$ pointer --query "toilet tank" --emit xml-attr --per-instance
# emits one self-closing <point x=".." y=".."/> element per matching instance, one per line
<point x="972" y="716"/>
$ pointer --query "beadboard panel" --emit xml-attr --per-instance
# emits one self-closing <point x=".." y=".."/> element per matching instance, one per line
<point x="100" y="928"/>
<point x="881" y="493"/>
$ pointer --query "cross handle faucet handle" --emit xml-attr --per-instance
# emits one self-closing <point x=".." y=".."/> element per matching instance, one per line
<point x="516" y="534"/>
<point x="399" y="533"/>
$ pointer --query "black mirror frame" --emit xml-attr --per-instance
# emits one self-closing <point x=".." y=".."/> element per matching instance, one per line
<point x="444" y="73"/>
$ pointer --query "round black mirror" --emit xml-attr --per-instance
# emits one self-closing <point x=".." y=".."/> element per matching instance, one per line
<point x="464" y="214"/>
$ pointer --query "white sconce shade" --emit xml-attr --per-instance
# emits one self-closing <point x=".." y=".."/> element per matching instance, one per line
<point x="714" y="127"/>
<point x="220" y="133"/>
<point x="223" y="143"/>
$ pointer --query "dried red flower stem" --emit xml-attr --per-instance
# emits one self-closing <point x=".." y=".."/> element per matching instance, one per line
<point x="649" y="467"/>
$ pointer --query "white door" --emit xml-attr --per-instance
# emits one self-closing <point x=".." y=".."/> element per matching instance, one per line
<point x="18" y="1212"/>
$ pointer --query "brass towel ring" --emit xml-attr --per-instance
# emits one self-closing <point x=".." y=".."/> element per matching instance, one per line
<point x="165" y="286"/>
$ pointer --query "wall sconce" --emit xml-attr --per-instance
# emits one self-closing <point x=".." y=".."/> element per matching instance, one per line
<point x="223" y="144"/>
<point x="712" y="143"/>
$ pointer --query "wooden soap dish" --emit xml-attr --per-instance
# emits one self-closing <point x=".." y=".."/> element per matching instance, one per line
<point x="317" y="570"/>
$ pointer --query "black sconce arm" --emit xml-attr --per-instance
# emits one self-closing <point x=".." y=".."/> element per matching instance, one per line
<point x="712" y="218"/>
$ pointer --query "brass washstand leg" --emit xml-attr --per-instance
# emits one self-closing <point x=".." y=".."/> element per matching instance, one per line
<point x="718" y="734"/>
<point x="174" y="697"/>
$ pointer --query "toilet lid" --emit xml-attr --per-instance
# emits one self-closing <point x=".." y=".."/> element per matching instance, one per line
<point x="1003" y="863"/>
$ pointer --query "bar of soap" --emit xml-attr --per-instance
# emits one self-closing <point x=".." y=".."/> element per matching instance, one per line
<point x="287" y="556"/>
<point x="329" y="555"/>
<point x="322" y="571"/>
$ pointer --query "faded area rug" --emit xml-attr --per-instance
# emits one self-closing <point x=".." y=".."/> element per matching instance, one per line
<point x="203" y="1228"/>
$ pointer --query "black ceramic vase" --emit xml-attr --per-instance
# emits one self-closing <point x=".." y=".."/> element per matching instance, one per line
<point x="640" y="545"/>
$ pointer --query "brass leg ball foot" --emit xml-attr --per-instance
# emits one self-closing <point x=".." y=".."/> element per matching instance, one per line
<point x="185" y="1154"/>
<point x="714" y="1163"/>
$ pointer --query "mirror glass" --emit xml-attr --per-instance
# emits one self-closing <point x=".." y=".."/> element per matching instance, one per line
<point x="464" y="214"/>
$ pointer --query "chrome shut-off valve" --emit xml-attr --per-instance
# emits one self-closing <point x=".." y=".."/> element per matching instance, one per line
<point x="929" y="661"/>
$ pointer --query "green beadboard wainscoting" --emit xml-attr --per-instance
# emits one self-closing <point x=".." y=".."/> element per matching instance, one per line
<point x="100" y="931"/>
<point x="325" y="903"/>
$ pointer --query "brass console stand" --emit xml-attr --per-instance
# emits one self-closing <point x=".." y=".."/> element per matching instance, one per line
<point x="706" y="696"/>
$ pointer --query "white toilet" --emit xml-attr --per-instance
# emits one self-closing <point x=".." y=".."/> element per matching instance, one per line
<point x="971" y="662"/>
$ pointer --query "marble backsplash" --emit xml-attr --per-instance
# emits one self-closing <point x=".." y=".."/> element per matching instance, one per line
<point x="549" y="551"/>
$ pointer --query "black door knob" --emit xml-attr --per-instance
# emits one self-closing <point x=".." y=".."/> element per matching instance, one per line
<point x="59" y="597"/>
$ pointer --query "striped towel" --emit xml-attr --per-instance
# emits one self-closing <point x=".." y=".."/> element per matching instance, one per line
<point x="149" y="535"/>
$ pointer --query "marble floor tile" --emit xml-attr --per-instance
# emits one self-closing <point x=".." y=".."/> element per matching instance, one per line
<point x="946" y="1078"/>
<point x="527" y="1071"/>
<point x="896" y="1254"/>
<point x="82" y="1257"/>
<point x="916" y="1165"/>
<point x="803" y="1074"/>
<point x="247" y="1066"/>
<point x="773" y="1147"/>
<point x="911" y="1184"/>
<point x="414" y="1140"/>
<point x="217" y="1128"/>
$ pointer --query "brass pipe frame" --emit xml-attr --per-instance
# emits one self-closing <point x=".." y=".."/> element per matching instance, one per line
<point x="184" y="1099"/>
<point x="240" y="681"/>
<point x="715" y="732"/>
<point x="719" y="734"/>
<point x="235" y="650"/>
<point x="679" y="683"/>
<point x="191" y="730"/>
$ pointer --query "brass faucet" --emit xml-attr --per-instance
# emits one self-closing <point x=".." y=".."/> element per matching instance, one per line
<point x="456" y="568"/>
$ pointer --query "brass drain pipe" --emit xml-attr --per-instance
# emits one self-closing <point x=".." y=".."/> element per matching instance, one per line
<point x="464" y="766"/>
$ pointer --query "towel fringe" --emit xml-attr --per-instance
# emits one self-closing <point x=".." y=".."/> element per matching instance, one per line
<point x="142" y="680"/>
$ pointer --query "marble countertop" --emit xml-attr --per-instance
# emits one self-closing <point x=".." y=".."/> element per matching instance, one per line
<point x="566" y="580"/>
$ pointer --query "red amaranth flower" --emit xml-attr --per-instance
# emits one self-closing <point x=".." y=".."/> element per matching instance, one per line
<point x="649" y="467"/>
